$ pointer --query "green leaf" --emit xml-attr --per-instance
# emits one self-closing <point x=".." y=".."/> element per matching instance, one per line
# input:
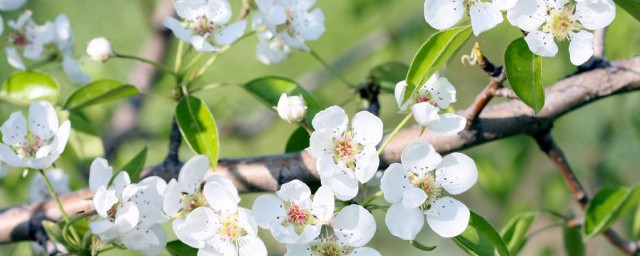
<point x="480" y="238"/>
<point x="524" y="72"/>
<point x="27" y="86"/>
<point x="198" y="128"/>
<point x="298" y="141"/>
<point x="268" y="90"/>
<point x="53" y="230"/>
<point x="84" y="140"/>
<point x="573" y="244"/>
<point x="434" y="53"/>
<point x="514" y="233"/>
<point x="631" y="6"/>
<point x="607" y="206"/>
<point x="98" y="92"/>
<point x="135" y="166"/>
<point x="177" y="248"/>
<point x="390" y="72"/>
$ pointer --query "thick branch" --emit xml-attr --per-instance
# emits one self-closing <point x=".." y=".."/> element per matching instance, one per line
<point x="266" y="173"/>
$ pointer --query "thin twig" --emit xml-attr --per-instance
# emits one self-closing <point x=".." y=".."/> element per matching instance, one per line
<point x="496" y="76"/>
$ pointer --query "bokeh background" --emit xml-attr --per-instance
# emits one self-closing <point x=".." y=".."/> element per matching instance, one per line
<point x="602" y="140"/>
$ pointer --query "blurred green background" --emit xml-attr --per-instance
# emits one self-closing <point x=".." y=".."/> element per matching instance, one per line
<point x="602" y="140"/>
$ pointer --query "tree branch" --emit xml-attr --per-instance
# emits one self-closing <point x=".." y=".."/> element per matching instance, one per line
<point x="267" y="173"/>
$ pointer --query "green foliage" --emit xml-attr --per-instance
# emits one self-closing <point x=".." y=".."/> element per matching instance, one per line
<point x="177" y="248"/>
<point x="631" y="6"/>
<point x="135" y="166"/>
<point x="480" y="238"/>
<point x="573" y="244"/>
<point x="607" y="206"/>
<point x="524" y="71"/>
<point x="84" y="140"/>
<point x="198" y="128"/>
<point x="514" y="233"/>
<point x="390" y="72"/>
<point x="635" y="224"/>
<point x="98" y="92"/>
<point x="268" y="90"/>
<point x="434" y="53"/>
<point x="23" y="87"/>
<point x="298" y="141"/>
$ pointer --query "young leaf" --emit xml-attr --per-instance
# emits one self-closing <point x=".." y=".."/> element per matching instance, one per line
<point x="98" y="92"/>
<point x="514" y="233"/>
<point x="390" y="72"/>
<point x="573" y="244"/>
<point x="631" y="6"/>
<point x="27" y="86"/>
<point x="434" y="53"/>
<point x="607" y="206"/>
<point x="135" y="166"/>
<point x="198" y="128"/>
<point x="298" y="141"/>
<point x="480" y="238"/>
<point x="268" y="90"/>
<point x="177" y="248"/>
<point x="524" y="72"/>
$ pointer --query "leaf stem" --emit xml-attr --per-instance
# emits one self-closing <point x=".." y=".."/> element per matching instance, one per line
<point x="395" y="132"/>
<point x="155" y="64"/>
<point x="59" y="203"/>
<point x="179" y="56"/>
<point x="373" y="197"/>
<point x="331" y="69"/>
<point x="421" y="247"/>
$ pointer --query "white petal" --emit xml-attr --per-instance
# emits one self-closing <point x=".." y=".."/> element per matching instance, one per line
<point x="183" y="234"/>
<point x="595" y="14"/>
<point x="541" y="43"/>
<point x="298" y="250"/>
<point x="252" y="246"/>
<point x="121" y="182"/>
<point x="271" y="51"/>
<point x="268" y="209"/>
<point x="101" y="226"/>
<point x="448" y="217"/>
<point x="192" y="173"/>
<point x="178" y="29"/>
<point x="201" y="44"/>
<point x="325" y="166"/>
<point x="420" y="157"/>
<point x="354" y="226"/>
<point x="72" y="70"/>
<point x="284" y="234"/>
<point x="456" y="173"/>
<point x="14" y="130"/>
<point x="190" y="9"/>
<point x="294" y="191"/>
<point x="321" y="143"/>
<point x="367" y="163"/>
<point x="504" y="4"/>
<point x="323" y="204"/>
<point x="580" y="47"/>
<point x="10" y="157"/>
<point x="343" y="184"/>
<point x="528" y="15"/>
<point x="172" y="203"/>
<point x="310" y="26"/>
<point x="100" y="174"/>
<point x="442" y="92"/>
<point x="413" y="198"/>
<point x="127" y="217"/>
<point x="404" y="223"/>
<point x="231" y="33"/>
<point x="61" y="138"/>
<point x="366" y="128"/>
<point x="199" y="224"/>
<point x="10" y="5"/>
<point x="443" y="14"/>
<point x="394" y="182"/>
<point x="484" y="16"/>
<point x="221" y="197"/>
<point x="246" y="221"/>
<point x="14" y="58"/>
<point x="448" y="124"/>
<point x="43" y="121"/>
<point x="218" y="11"/>
<point x="424" y="113"/>
<point x="365" y="251"/>
<point x="399" y="94"/>
<point x="103" y="200"/>
<point x="333" y="118"/>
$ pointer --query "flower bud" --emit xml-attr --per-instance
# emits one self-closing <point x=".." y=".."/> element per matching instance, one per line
<point x="99" y="49"/>
<point x="292" y="108"/>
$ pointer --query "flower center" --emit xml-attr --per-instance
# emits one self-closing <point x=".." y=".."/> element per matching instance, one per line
<point x="19" y="39"/>
<point x="230" y="229"/>
<point x="561" y="23"/>
<point x="32" y="145"/>
<point x="201" y="25"/>
<point x="296" y="216"/>
<point x="428" y="185"/>
<point x="191" y="202"/>
<point x="330" y="247"/>
<point x="345" y="149"/>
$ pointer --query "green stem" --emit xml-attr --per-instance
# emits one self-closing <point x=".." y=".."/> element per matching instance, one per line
<point x="373" y="197"/>
<point x="155" y="64"/>
<point x="179" y="56"/>
<point x="210" y="87"/>
<point x="331" y="69"/>
<point x="395" y="132"/>
<point x="59" y="203"/>
<point x="422" y="247"/>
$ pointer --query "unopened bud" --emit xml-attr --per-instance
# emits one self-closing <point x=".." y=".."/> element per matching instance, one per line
<point x="291" y="108"/>
<point x="99" y="49"/>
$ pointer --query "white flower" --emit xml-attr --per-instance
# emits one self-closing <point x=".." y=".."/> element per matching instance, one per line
<point x="485" y="15"/>
<point x="186" y="194"/>
<point x="10" y="5"/>
<point x="546" y="20"/>
<point x="293" y="217"/>
<point x="149" y="241"/>
<point x="204" y="24"/>
<point x="353" y="227"/>
<point x="282" y="25"/>
<point x="65" y="41"/>
<point x="292" y="108"/>
<point x="28" y="37"/>
<point x="99" y="49"/>
<point x="38" y="190"/>
<point x="417" y="187"/>
<point x="345" y="155"/>
<point x="38" y="146"/>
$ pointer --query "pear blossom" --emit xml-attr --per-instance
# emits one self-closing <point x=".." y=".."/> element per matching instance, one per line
<point x="345" y="154"/>
<point x="29" y="38"/>
<point x="10" y="5"/>
<point x="285" y="25"/>
<point x="485" y="15"/>
<point x="292" y="216"/>
<point x="353" y="227"/>
<point x="38" y="146"/>
<point x="562" y="20"/>
<point x="419" y="187"/>
<point x="435" y="94"/>
<point x="186" y="194"/>
<point x="204" y="24"/>
<point x="99" y="49"/>
<point x="291" y="108"/>
<point x="38" y="190"/>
